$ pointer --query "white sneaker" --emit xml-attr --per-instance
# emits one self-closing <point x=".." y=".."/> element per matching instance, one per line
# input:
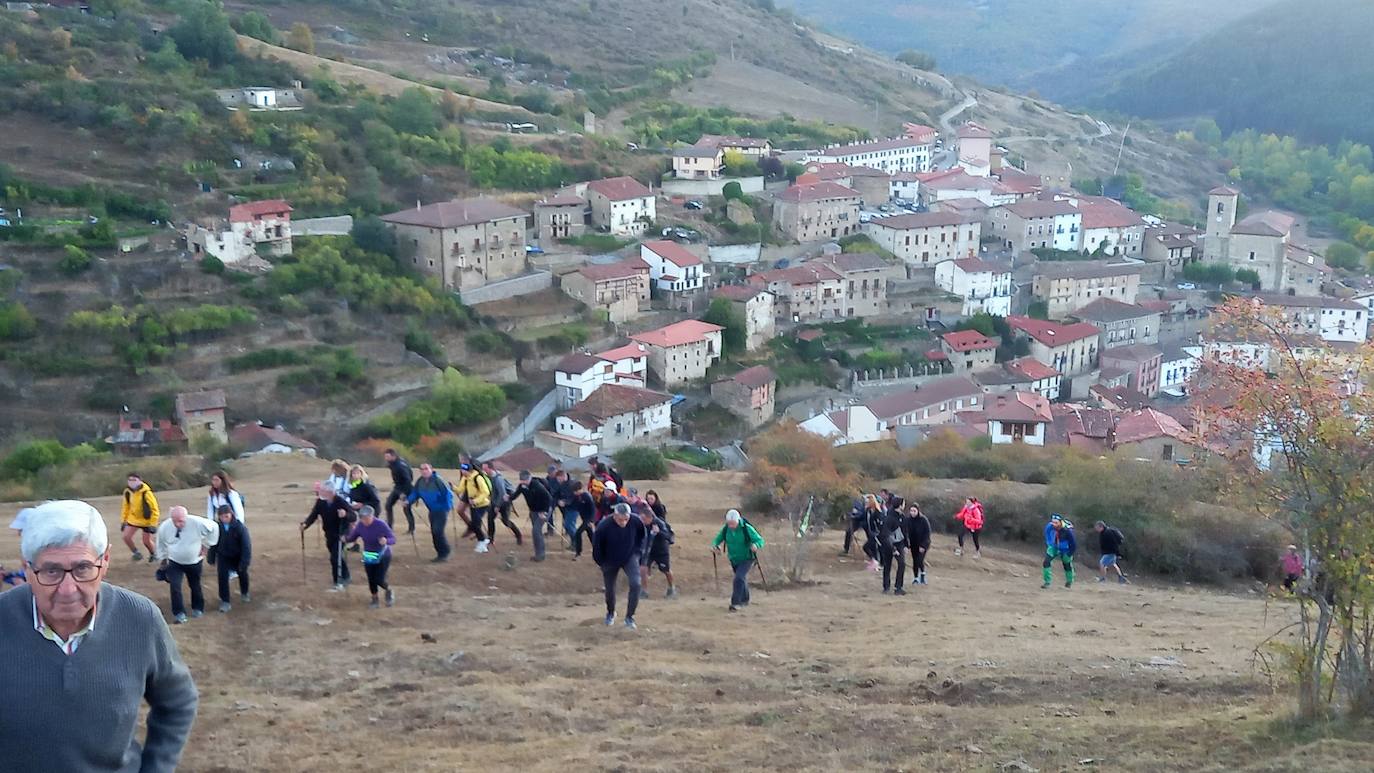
<point x="481" y="546"/>
<point x="958" y="551"/>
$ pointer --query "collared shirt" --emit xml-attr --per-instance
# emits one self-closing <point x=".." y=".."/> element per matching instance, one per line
<point x="68" y="646"/>
<point x="184" y="545"/>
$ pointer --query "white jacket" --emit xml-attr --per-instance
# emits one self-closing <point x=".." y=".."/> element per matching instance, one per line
<point x="213" y="502"/>
<point x="184" y="545"/>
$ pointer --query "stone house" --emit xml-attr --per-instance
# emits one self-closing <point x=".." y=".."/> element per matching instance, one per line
<point x="1069" y="285"/>
<point x="697" y="162"/>
<point x="620" y="289"/>
<point x="810" y="292"/>
<point x="748" y="394"/>
<point x="681" y="352"/>
<point x="465" y="243"/>
<point x="1037" y="224"/>
<point x="969" y="351"/>
<point x="866" y="277"/>
<point x="756" y="307"/>
<point x="561" y="216"/>
<point x="924" y="239"/>
<point x="749" y="147"/>
<point x="202" y="413"/>
<point x="621" y="206"/>
<point x="252" y="228"/>
<point x="613" y="417"/>
<point x="816" y="212"/>
<point x="1122" y="324"/>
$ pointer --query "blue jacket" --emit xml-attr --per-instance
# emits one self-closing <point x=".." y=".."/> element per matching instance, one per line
<point x="434" y="491"/>
<point x="1063" y="541"/>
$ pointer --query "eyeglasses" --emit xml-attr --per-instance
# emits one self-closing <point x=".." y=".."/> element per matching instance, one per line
<point x="53" y="575"/>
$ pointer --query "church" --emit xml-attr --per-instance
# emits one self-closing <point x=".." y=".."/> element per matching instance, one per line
<point x="1262" y="242"/>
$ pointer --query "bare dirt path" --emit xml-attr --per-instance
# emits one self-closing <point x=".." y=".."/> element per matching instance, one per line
<point x="978" y="669"/>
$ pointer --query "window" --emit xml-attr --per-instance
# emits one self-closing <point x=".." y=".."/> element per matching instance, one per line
<point x="1168" y="453"/>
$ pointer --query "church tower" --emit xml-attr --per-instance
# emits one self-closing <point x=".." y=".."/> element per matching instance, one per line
<point x="1221" y="218"/>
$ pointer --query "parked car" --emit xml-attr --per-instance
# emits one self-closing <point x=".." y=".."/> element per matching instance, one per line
<point x="694" y="204"/>
<point x="530" y="249"/>
<point x="1187" y="286"/>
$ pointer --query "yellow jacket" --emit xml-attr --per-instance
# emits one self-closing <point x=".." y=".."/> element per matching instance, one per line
<point x="139" y="508"/>
<point x="474" y="486"/>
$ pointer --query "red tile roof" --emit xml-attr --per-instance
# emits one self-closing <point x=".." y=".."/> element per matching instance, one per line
<point x="1223" y="190"/>
<point x="620" y="188"/>
<point x="611" y="400"/>
<point x="605" y="272"/>
<point x="1018" y="406"/>
<point x="1266" y="223"/>
<point x="973" y="130"/>
<point x="920" y="220"/>
<point x="628" y="351"/>
<point x="255" y="437"/>
<point x="1148" y="424"/>
<point x="535" y="460"/>
<point x="679" y="333"/>
<point x="207" y="400"/>
<point x="672" y="252"/>
<point x="941" y="390"/>
<point x="1134" y="353"/>
<point x="247" y="213"/>
<point x="810" y="335"/>
<point x="562" y="200"/>
<point x="805" y="274"/>
<point x="1108" y="215"/>
<point x="1032" y="368"/>
<point x="968" y="341"/>
<point x="1109" y="310"/>
<point x="817" y="192"/>
<point x="755" y="377"/>
<point x="919" y="132"/>
<point x="737" y="292"/>
<point x="1052" y="333"/>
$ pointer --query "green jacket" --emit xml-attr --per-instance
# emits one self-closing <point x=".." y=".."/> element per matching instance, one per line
<point x="739" y="543"/>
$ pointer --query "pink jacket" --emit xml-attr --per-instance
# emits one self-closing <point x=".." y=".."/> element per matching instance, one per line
<point x="1292" y="564"/>
<point x="971" y="516"/>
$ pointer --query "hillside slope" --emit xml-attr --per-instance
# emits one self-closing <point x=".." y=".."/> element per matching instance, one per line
<point x="1299" y="68"/>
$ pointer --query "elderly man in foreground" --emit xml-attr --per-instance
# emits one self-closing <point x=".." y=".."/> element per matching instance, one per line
<point x="80" y="656"/>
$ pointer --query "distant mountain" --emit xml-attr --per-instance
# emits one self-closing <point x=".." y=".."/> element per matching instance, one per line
<point x="1301" y="67"/>
<point x="1026" y="44"/>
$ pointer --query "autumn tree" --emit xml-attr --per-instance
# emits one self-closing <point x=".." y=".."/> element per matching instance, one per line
<point x="301" y="38"/>
<point x="1303" y="450"/>
<point x="450" y="105"/>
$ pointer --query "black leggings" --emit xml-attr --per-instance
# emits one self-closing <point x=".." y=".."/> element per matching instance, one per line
<point x="918" y="560"/>
<point x="376" y="573"/>
<point x="887" y="555"/>
<point x="504" y="511"/>
<point x="967" y="530"/>
<point x="585" y="526"/>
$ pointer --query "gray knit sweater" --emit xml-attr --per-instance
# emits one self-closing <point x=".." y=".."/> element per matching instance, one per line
<point x="80" y="711"/>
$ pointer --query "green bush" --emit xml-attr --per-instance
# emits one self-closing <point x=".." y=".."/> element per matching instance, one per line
<point x="74" y="261"/>
<point x="641" y="463"/>
<point x="421" y="341"/>
<point x="489" y="342"/>
<point x="330" y="372"/>
<point x="16" y="322"/>
<point x="707" y="460"/>
<point x="455" y="401"/>
<point x="265" y="359"/>
<point x="447" y="453"/>
<point x="212" y="265"/>
<point x="518" y="392"/>
<point x="27" y="458"/>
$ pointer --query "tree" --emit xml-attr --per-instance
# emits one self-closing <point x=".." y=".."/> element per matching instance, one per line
<point x="1213" y="273"/>
<point x="1302" y="450"/>
<point x="1342" y="255"/>
<point x="918" y="59"/>
<point x="739" y="165"/>
<point x="641" y="463"/>
<point x="373" y="235"/>
<point x="204" y="33"/>
<point x="983" y="322"/>
<point x="1038" y="310"/>
<point x="74" y="261"/>
<point x="732" y="190"/>
<point x="301" y="38"/>
<point x="413" y="112"/>
<point x="255" y="25"/>
<point x="722" y="312"/>
<point x="1249" y="276"/>
<point x="451" y="105"/>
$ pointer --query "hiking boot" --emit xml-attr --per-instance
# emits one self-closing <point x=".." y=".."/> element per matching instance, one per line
<point x="246" y="598"/>
<point x="630" y="624"/>
<point x="179" y="619"/>
<point x="1068" y="583"/>
<point x="136" y="556"/>
<point x="1044" y="586"/>
<point x="152" y="559"/>
<point x="1122" y="580"/>
<point x="923" y="578"/>
<point x="197" y="613"/>
<point x="610" y="619"/>
<point x="886" y="591"/>
<point x="734" y="608"/>
<point x="899" y="592"/>
<point x="390" y="597"/>
<point x="958" y="551"/>
<point x="671" y="594"/>
<point x="373" y="604"/>
<point x="224" y="606"/>
<point x="438" y="559"/>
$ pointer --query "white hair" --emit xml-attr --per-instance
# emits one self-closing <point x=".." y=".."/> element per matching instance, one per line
<point x="63" y="523"/>
<point x="732" y="516"/>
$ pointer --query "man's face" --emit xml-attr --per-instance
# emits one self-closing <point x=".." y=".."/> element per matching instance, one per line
<point x="68" y="601"/>
<point x="1099" y="528"/>
<point x="647" y="517"/>
<point x="426" y="470"/>
<point x="178" y="515"/>
<point x="622" y="519"/>
<point x="389" y="457"/>
<point x="134" y="482"/>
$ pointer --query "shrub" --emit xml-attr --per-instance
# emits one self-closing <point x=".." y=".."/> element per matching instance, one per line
<point x="29" y="457"/>
<point x="518" y="392"/>
<point x="455" y="401"/>
<point x="705" y="459"/>
<point x="212" y="265"/>
<point x="421" y="341"/>
<point x="16" y="322"/>
<point x="489" y="342"/>
<point x="74" y="261"/>
<point x="447" y="453"/>
<point x="640" y="463"/>
<point x="264" y="359"/>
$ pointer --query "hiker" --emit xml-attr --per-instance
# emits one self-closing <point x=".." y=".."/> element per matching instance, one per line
<point x="892" y="545"/>
<point x="402" y="479"/>
<point x="971" y="518"/>
<point x="334" y="515"/>
<point x="605" y="504"/>
<point x="651" y="498"/>
<point x="1110" y="540"/>
<point x="606" y="472"/>
<point x="438" y="499"/>
<point x="740" y="542"/>
<point x="1292" y="566"/>
<point x="377" y="539"/>
<point x="77" y="709"/>
<point x="501" y="492"/>
<point x="361" y="492"/>
<point x="560" y="489"/>
<point x="222" y="492"/>
<point x="474" y="490"/>
<point x="540" y="504"/>
<point x="918" y="541"/>
<point x="14" y="577"/>
<point x="585" y="508"/>
<point x="139" y="512"/>
<point x="616" y="546"/>
<point x="230" y="556"/>
<point x="862" y="518"/>
<point x="182" y="542"/>
<point x="1059" y="544"/>
<point x="656" y="551"/>
<point x="338" y="478"/>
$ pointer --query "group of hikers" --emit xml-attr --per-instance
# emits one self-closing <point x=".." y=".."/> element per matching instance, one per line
<point x="892" y="527"/>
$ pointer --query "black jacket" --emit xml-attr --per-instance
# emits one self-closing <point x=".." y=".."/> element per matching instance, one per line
<point x="402" y="477"/>
<point x="366" y="494"/>
<point x="536" y="495"/>
<point x="615" y="545"/>
<point x="660" y="509"/>
<point x="234" y="548"/>
<point x="918" y="530"/>
<point x="890" y="533"/>
<point x="585" y="506"/>
<point x="561" y="491"/>
<point x="657" y="544"/>
<point x="1110" y="539"/>
<point x="333" y="523"/>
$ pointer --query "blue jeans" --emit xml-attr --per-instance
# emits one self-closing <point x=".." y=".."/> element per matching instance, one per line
<point x="609" y="576"/>
<point x="438" y="526"/>
<point x="739" y="591"/>
<point x="569" y="521"/>
<point x="538" y="520"/>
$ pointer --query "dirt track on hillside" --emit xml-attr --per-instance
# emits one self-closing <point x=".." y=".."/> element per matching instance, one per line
<point x="977" y="669"/>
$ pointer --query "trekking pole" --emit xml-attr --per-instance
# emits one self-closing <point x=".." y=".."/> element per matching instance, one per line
<point x="303" y="577"/>
<point x="414" y="544"/>
<point x="762" y="576"/>
<point x="716" y="566"/>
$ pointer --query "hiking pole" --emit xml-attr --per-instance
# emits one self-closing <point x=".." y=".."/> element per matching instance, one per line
<point x="716" y="566"/>
<point x="414" y="544"/>
<point x="303" y="577"/>
<point x="762" y="576"/>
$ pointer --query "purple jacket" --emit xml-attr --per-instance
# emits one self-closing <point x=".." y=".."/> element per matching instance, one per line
<point x="376" y="538"/>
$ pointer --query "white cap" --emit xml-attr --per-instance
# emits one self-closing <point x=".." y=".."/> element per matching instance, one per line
<point x="610" y="486"/>
<point x="732" y="516"/>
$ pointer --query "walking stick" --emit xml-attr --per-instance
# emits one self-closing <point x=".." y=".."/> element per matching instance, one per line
<point x="414" y="544"/>
<point x="762" y="576"/>
<point x="715" y="565"/>
<point x="303" y="577"/>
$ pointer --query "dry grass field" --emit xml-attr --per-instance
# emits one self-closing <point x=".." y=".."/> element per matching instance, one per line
<point x="975" y="671"/>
